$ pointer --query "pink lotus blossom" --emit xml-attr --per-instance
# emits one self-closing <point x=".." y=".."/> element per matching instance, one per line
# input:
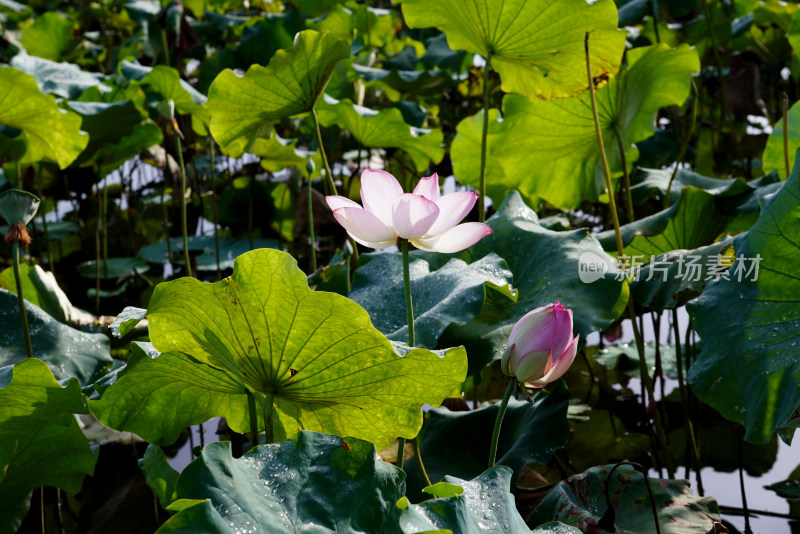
<point x="541" y="346"/>
<point x="426" y="218"/>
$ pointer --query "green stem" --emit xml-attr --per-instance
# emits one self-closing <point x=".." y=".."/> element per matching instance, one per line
<point x="98" y="255"/>
<point x="251" y="408"/>
<point x="105" y="230"/>
<point x="214" y="208"/>
<point x="626" y="179"/>
<point x="21" y="301"/>
<point x="645" y="375"/>
<point x="785" y="137"/>
<point x="425" y="477"/>
<point x="268" y="405"/>
<point x="684" y="145"/>
<point x="179" y="150"/>
<point x="484" y="135"/>
<point x="401" y="442"/>
<point x="311" y="237"/>
<point x="329" y="183"/>
<point x="499" y="421"/>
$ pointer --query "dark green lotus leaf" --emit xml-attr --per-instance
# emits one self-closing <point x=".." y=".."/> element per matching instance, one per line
<point x="453" y="293"/>
<point x="113" y="268"/>
<point x="311" y="482"/>
<point x="423" y="82"/>
<point x="67" y="351"/>
<point x="317" y="356"/>
<point x="66" y="80"/>
<point x="602" y="437"/>
<point x="205" y="248"/>
<point x="624" y="357"/>
<point x="789" y="488"/>
<point x="545" y="265"/>
<point x="49" y="134"/>
<point x="749" y="366"/>
<point x="50" y="36"/>
<point x="485" y="505"/>
<point x="580" y="501"/>
<point x="40" y="287"/>
<point x="653" y="183"/>
<point x="537" y="47"/>
<point x="531" y="433"/>
<point x="244" y="109"/>
<point x="17" y="206"/>
<point x="383" y="129"/>
<point x="557" y="137"/>
<point x="161" y="477"/>
<point x="117" y="132"/>
<point x="48" y="455"/>
<point x="773" y="158"/>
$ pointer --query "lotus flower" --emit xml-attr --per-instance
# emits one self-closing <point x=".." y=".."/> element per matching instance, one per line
<point x="541" y="346"/>
<point x="426" y="218"/>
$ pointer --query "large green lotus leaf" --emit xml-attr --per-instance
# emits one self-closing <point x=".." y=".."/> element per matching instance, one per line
<point x="316" y="353"/>
<point x="580" y="501"/>
<point x="112" y="268"/>
<point x="537" y="46"/>
<point x="161" y="477"/>
<point x="49" y="133"/>
<point x="548" y="149"/>
<point x="30" y="398"/>
<point x="773" y="159"/>
<point x="49" y="455"/>
<point x="18" y="206"/>
<point x="157" y="397"/>
<point x="313" y="482"/>
<point x="243" y="109"/>
<point x="545" y="265"/>
<point x="603" y="438"/>
<point x="67" y="351"/>
<point x="749" y="366"/>
<point x="50" y="36"/>
<point x="66" y="80"/>
<point x="424" y="82"/>
<point x="484" y="504"/>
<point x="117" y="132"/>
<point x="454" y="293"/>
<point x="375" y="26"/>
<point x="531" y="433"/>
<point x="383" y="129"/>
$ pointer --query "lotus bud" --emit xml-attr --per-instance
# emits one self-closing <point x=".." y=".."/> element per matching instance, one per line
<point x="541" y="346"/>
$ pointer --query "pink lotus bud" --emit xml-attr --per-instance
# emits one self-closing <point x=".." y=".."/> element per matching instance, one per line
<point x="541" y="346"/>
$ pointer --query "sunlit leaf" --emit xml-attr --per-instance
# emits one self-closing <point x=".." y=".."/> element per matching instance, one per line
<point x="537" y="46"/>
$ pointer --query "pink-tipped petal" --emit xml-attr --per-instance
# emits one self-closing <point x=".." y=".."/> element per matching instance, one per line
<point x="559" y="367"/>
<point x="379" y="189"/>
<point x="453" y="208"/>
<point x="365" y="227"/>
<point x="428" y="187"/>
<point x="335" y="202"/>
<point x="454" y="240"/>
<point x="413" y="215"/>
<point x="544" y="328"/>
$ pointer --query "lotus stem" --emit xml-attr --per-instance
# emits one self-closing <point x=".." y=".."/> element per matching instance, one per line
<point x="268" y="406"/>
<point x="484" y="135"/>
<point x="626" y="177"/>
<point x="645" y="375"/>
<point x="184" y="234"/>
<point x="418" y="454"/>
<point x="684" y="145"/>
<point x="401" y="442"/>
<point x="498" y="422"/>
<point x="214" y="208"/>
<point x="21" y="301"/>
<point x="786" y="135"/>
<point x="251" y="408"/>
<point x="311" y="237"/>
<point x="330" y="185"/>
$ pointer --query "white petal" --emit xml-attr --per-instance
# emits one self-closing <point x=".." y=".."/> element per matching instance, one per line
<point x="453" y="208"/>
<point x="454" y="240"/>
<point x="428" y="187"/>
<point x="413" y="215"/>
<point x="379" y="189"/>
<point x="365" y="227"/>
<point x="560" y="365"/>
<point x="336" y="202"/>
